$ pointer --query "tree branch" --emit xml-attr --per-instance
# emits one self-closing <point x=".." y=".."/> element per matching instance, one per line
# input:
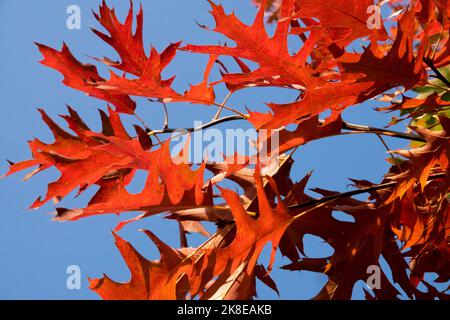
<point x="384" y="132"/>
<point x="397" y="164"/>
<point x="438" y="74"/>
<point x="183" y="238"/>
<point x="352" y="193"/>
<point x="204" y="126"/>
<point x="345" y="126"/>
<point x="217" y="115"/>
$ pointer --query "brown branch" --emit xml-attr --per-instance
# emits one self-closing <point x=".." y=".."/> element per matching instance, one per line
<point x="384" y="132"/>
<point x="397" y="164"/>
<point x="352" y="193"/>
<point x="437" y="73"/>
<point x="204" y="126"/>
<point x="166" y="115"/>
<point x="217" y="115"/>
<point x="183" y="238"/>
<point x="345" y="126"/>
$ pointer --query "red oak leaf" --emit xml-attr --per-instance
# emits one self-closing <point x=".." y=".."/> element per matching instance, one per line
<point x="83" y="77"/>
<point x="129" y="46"/>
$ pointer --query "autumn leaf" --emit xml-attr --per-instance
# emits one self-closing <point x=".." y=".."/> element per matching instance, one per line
<point x="364" y="76"/>
<point x="234" y="265"/>
<point x="109" y="160"/>
<point x="151" y="85"/>
<point x="276" y="66"/>
<point x="326" y="54"/>
<point x="348" y="17"/>
<point x="129" y="46"/>
<point x="423" y="160"/>
<point x="148" y="278"/>
<point x="83" y="77"/>
<point x="169" y="187"/>
<point x="377" y="67"/>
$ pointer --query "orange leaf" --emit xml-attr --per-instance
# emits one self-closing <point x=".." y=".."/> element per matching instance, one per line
<point x="83" y="77"/>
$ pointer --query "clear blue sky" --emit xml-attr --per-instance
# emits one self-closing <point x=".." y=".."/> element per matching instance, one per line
<point x="34" y="251"/>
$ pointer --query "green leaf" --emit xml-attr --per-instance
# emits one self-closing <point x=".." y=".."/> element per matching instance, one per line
<point x="442" y="87"/>
<point x="445" y="71"/>
<point x="446" y="96"/>
<point x="417" y="144"/>
<point x="424" y="91"/>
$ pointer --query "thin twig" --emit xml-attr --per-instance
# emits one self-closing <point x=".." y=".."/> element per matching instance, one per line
<point x="146" y="127"/>
<point x="217" y="115"/>
<point x="230" y="109"/>
<point x="397" y="164"/>
<point x="384" y="132"/>
<point x="433" y="54"/>
<point x="166" y="115"/>
<point x="182" y="131"/>
<point x="203" y="126"/>
<point x="438" y="74"/>
<point x="183" y="238"/>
